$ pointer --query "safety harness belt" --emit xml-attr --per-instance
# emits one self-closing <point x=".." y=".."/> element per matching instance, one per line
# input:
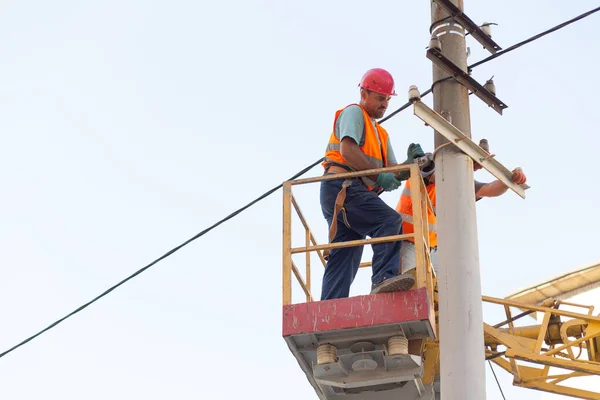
<point x="339" y="206"/>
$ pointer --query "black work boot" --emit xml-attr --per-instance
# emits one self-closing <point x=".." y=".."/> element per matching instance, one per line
<point x="398" y="283"/>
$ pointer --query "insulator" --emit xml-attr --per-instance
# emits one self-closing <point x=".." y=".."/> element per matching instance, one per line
<point x="397" y="345"/>
<point x="483" y="143"/>
<point x="413" y="93"/>
<point x="490" y="87"/>
<point x="326" y="354"/>
<point x="487" y="29"/>
<point x="434" y="43"/>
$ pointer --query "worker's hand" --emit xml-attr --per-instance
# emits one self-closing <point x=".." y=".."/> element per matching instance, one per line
<point x="414" y="151"/>
<point x="403" y="175"/>
<point x="518" y="176"/>
<point x="476" y="166"/>
<point x="388" y="181"/>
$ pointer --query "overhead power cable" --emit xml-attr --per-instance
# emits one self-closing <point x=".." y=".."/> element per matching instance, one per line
<point x="167" y="254"/>
<point x="405" y="106"/>
<point x="497" y="381"/>
<point x="498" y="54"/>
<point x="533" y="38"/>
<point x="268" y="193"/>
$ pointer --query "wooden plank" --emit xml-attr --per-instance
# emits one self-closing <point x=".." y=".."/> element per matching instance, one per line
<point x="299" y="212"/>
<point x="352" y="243"/>
<point x="417" y="203"/>
<point x="395" y="169"/>
<point x="307" y="274"/>
<point x="319" y="253"/>
<point x="301" y="282"/>
<point x="426" y="204"/>
<point x="287" y="244"/>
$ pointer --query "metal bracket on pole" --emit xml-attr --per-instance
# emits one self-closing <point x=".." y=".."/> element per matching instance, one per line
<point x="436" y="56"/>
<point x="463" y="142"/>
<point x="471" y="27"/>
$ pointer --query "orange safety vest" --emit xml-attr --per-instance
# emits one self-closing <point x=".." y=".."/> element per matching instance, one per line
<point x="376" y="151"/>
<point x="404" y="208"/>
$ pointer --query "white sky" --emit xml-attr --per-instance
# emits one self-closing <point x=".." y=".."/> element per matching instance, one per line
<point x="129" y="126"/>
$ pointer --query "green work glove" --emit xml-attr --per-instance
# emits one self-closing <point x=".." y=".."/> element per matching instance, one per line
<point x="388" y="181"/>
<point x="414" y="151"/>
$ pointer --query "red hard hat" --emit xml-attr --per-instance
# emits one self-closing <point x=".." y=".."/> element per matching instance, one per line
<point x="378" y="80"/>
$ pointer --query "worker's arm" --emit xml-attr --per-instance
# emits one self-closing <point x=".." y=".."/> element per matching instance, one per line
<point x="350" y="129"/>
<point x="497" y="188"/>
<point x="354" y="156"/>
<point x="391" y="156"/>
<point x="492" y="189"/>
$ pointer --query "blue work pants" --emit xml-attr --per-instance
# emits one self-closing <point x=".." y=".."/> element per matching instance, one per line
<point x="364" y="214"/>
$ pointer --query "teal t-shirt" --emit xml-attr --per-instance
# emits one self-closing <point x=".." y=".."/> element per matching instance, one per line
<point x="351" y="123"/>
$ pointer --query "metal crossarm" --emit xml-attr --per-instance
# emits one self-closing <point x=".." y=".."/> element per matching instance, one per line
<point x="471" y="27"/>
<point x="436" y="56"/>
<point x="463" y="142"/>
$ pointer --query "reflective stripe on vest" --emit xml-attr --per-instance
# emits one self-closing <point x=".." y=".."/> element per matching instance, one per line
<point x="409" y="219"/>
<point x="407" y="192"/>
<point x="373" y="144"/>
<point x="404" y="208"/>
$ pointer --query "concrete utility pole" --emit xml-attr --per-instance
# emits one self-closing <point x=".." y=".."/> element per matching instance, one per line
<point x="462" y="359"/>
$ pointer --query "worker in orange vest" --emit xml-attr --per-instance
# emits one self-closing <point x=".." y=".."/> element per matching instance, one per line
<point x="352" y="207"/>
<point x="404" y="208"/>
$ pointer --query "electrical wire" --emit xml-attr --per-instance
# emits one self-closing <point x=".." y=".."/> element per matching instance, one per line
<point x="167" y="254"/>
<point x="497" y="381"/>
<point x="498" y="54"/>
<point x="496" y="355"/>
<point x="531" y="39"/>
<point x="405" y="106"/>
<point x="402" y="108"/>
<point x="268" y="193"/>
